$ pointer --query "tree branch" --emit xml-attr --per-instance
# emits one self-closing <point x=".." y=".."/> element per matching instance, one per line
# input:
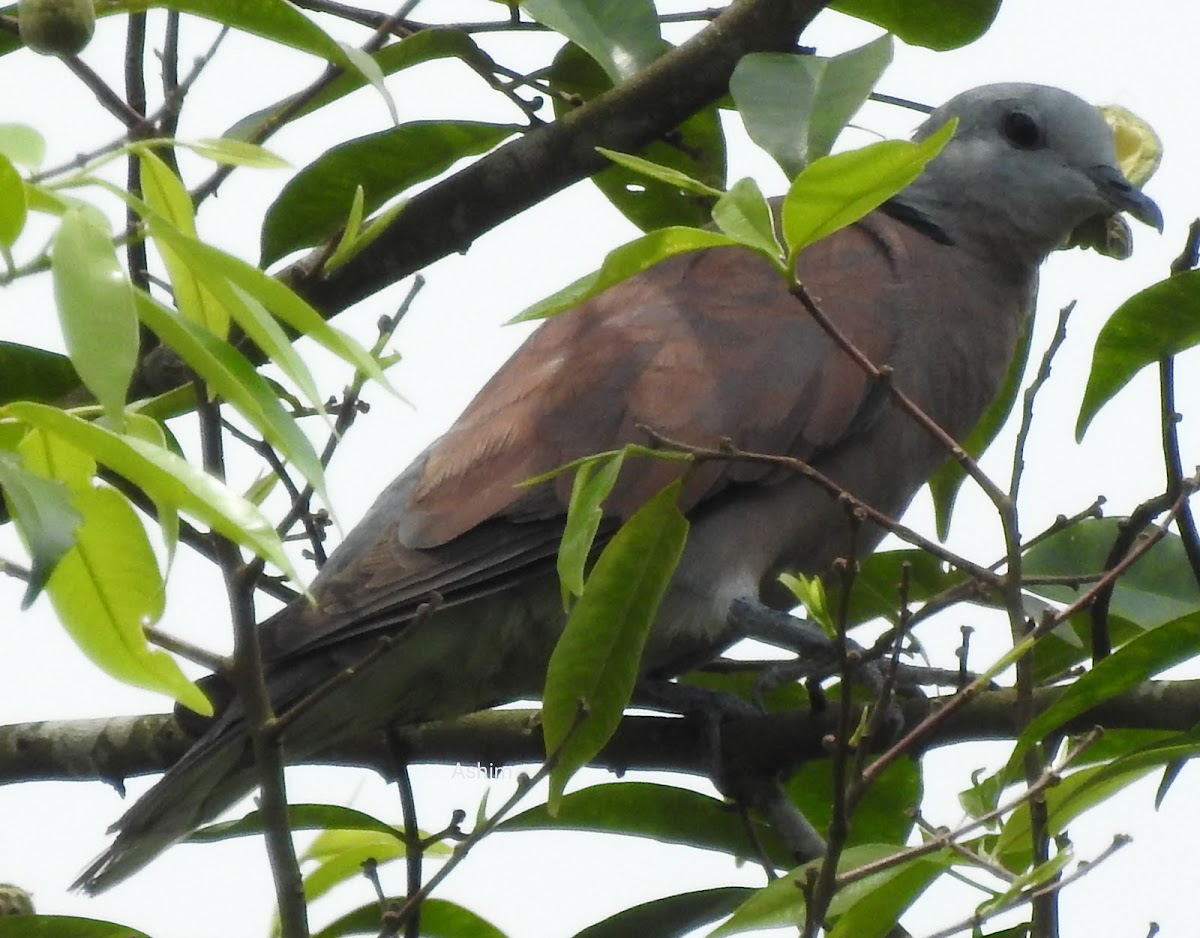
<point x="114" y="748"/>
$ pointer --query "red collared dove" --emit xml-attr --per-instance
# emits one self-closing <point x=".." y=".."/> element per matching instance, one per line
<point x="703" y="347"/>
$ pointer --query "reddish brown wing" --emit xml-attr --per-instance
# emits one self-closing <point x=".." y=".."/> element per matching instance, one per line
<point x="703" y="347"/>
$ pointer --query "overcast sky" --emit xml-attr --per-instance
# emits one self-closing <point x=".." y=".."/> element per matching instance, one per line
<point x="1137" y="55"/>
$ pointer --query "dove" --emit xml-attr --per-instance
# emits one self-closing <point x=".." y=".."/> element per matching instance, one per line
<point x="704" y="347"/>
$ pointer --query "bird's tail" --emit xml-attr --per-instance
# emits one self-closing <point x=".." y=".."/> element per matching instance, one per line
<point x="213" y="775"/>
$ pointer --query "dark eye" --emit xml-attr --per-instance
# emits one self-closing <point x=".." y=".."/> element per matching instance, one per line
<point x="1021" y="130"/>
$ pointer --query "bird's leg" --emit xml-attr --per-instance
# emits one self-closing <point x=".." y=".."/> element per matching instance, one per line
<point x="749" y="785"/>
<point x="817" y="654"/>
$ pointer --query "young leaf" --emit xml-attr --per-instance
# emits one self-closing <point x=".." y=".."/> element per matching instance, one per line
<point x="599" y="654"/>
<point x="743" y="214"/>
<point x="836" y="191"/>
<point x="170" y="213"/>
<point x="348" y="242"/>
<point x="371" y="71"/>
<point x="22" y="144"/>
<point x="165" y="477"/>
<point x="229" y="374"/>
<point x="594" y="479"/>
<point x="215" y="265"/>
<point x="234" y="152"/>
<point x="625" y="261"/>
<point x="96" y="311"/>
<point x="107" y="587"/>
<point x="13" y="204"/>
<point x="667" y="174"/>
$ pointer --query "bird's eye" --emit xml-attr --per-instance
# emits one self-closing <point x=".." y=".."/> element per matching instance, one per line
<point x="1022" y="130"/>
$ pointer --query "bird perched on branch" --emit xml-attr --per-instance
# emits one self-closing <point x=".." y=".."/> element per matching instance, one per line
<point x="704" y="347"/>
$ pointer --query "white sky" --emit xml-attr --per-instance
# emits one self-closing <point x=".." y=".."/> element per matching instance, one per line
<point x="1105" y="50"/>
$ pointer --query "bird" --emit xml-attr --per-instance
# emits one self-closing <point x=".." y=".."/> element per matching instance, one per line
<point x="710" y="348"/>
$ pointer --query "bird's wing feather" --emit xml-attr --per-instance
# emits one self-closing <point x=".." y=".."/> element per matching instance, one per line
<point x="704" y="347"/>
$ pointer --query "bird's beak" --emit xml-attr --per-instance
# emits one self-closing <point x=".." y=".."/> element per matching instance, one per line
<point x="1124" y="197"/>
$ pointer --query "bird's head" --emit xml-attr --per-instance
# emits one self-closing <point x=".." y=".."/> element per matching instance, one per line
<point x="1027" y="166"/>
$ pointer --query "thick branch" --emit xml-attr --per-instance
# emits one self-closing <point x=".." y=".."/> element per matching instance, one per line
<point x="115" y="748"/>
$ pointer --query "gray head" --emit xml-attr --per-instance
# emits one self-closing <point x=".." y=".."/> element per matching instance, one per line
<point x="1027" y="164"/>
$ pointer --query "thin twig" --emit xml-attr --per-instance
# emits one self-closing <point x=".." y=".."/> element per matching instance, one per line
<point x="251" y="684"/>
<point x="1121" y="840"/>
<point x="883" y="377"/>
<point x="525" y="784"/>
<point x="876" y="517"/>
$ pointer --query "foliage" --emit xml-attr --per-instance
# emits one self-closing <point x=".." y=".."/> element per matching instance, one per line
<point x="100" y="490"/>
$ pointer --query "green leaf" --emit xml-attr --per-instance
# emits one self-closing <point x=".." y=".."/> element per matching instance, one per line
<point x="876" y="588"/>
<point x="96" y="311"/>
<point x="232" y="152"/>
<point x="795" y="106"/>
<point x="366" y="64"/>
<point x="13" y="205"/>
<point x="874" y="904"/>
<point x="107" y="587"/>
<point x="424" y="46"/>
<point x="944" y="485"/>
<point x="1139" y="660"/>
<point x="743" y="214"/>
<point x="781" y="903"/>
<point x="171" y="212"/>
<point x="215" y="265"/>
<point x="230" y="375"/>
<point x="340" y="854"/>
<point x="810" y="591"/>
<point x="1158" y="588"/>
<point x="836" y="191"/>
<point x="661" y="812"/>
<point x="300" y="817"/>
<point x="625" y="261"/>
<point x="276" y="20"/>
<point x="1162" y="320"/>
<point x="667" y="174"/>
<point x="22" y="144"/>
<point x="439" y="919"/>
<point x="312" y="206"/>
<point x="695" y="149"/>
<point x="883" y="816"/>
<point x="599" y="654"/>
<point x="347" y="245"/>
<point x="44" y="515"/>
<point x="33" y="374"/>
<point x="622" y="35"/>
<point x="929" y="23"/>
<point x="166" y="478"/>
<point x="1065" y="801"/>
<point x="63" y="926"/>
<point x="670" y="916"/>
<point x="593" y="482"/>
